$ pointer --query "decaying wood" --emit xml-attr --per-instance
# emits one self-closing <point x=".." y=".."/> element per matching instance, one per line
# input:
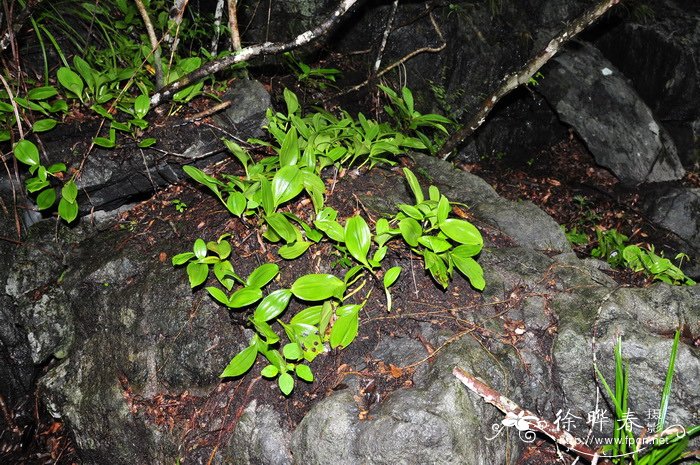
<point x="522" y="76"/>
<point x="534" y="422"/>
<point x="247" y="53"/>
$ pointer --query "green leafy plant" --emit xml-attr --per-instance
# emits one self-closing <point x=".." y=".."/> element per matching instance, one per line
<point x="613" y="247"/>
<point x="660" y="268"/>
<point x="665" y="446"/>
<point x="610" y="246"/>
<point x="321" y="78"/>
<point x="429" y="230"/>
<point x="302" y="146"/>
<point x="179" y="205"/>
<point x="574" y="236"/>
<point x="308" y="330"/>
<point x="402" y="110"/>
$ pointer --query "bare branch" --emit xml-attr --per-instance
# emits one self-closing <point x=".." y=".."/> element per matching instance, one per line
<point x="247" y="53"/>
<point x="233" y="25"/>
<point x="533" y="422"/>
<point x="513" y="81"/>
<point x="155" y="46"/>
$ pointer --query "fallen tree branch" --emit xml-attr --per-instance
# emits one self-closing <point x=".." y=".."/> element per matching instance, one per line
<point x="267" y="48"/>
<point x="524" y="419"/>
<point x="522" y="76"/>
<point x="155" y="46"/>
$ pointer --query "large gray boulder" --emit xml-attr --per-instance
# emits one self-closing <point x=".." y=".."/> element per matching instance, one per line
<point x="661" y="57"/>
<point x="619" y="129"/>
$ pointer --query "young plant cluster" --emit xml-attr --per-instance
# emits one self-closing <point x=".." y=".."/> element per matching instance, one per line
<point x="303" y="146"/>
<point x="613" y="247"/>
<point x="667" y="445"/>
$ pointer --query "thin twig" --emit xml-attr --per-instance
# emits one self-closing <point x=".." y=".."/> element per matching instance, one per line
<point x="401" y="60"/>
<point x="385" y="37"/>
<point x="267" y="48"/>
<point x="233" y="25"/>
<point x="155" y="45"/>
<point x="522" y="76"/>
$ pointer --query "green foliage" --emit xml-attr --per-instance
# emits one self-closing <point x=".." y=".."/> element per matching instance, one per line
<point x="613" y="247"/>
<point x="404" y="114"/>
<point x="667" y="446"/>
<point x="442" y="241"/>
<point x="320" y="78"/>
<point x="658" y="267"/>
<point x="302" y="146"/>
<point x="610" y="246"/>
<point x="574" y="236"/>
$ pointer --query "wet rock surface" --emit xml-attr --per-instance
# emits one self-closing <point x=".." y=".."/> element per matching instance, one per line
<point x="125" y="331"/>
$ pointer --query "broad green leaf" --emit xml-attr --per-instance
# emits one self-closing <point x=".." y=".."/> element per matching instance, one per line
<point x="88" y="74"/>
<point x="202" y="178"/>
<point x="71" y="81"/>
<point x="434" y="194"/>
<point x="68" y="211"/>
<point x="471" y="270"/>
<point x="345" y="328"/>
<point x="411" y="211"/>
<point x="411" y="231"/>
<point x="262" y="275"/>
<point x="35" y="184"/>
<point x="239" y="152"/>
<point x="443" y="209"/>
<point x="315" y="287"/>
<point x="42" y="93"/>
<point x="26" y="152"/>
<point x="289" y="152"/>
<point x="461" y="231"/>
<point x="304" y="372"/>
<point x="218" y="295"/>
<point x="56" y="168"/>
<point x="287" y="183"/>
<point x="267" y="198"/>
<point x="269" y="371"/>
<point x="295" y="250"/>
<point x="414" y="185"/>
<point x="358" y="238"/>
<point x="437" y="268"/>
<point x="272" y="305"/>
<point x="282" y="227"/>
<point x="46" y="199"/>
<point x="69" y="191"/>
<point x="434" y="243"/>
<point x="391" y="275"/>
<point x="141" y="106"/>
<point x="236" y="203"/>
<point x="327" y="311"/>
<point x="266" y="331"/>
<point x="197" y="273"/>
<point x="200" y="248"/>
<point x="291" y="101"/>
<point x="104" y="142"/>
<point x="286" y="383"/>
<point x="182" y="258"/>
<point x="223" y="248"/>
<point x="308" y="316"/>
<point x="408" y="98"/>
<point x="147" y="142"/>
<point x="244" y="297"/>
<point x="44" y="125"/>
<point x="332" y="229"/>
<point x="315" y="187"/>
<point x="466" y="251"/>
<point x="241" y="363"/>
<point x="292" y="351"/>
